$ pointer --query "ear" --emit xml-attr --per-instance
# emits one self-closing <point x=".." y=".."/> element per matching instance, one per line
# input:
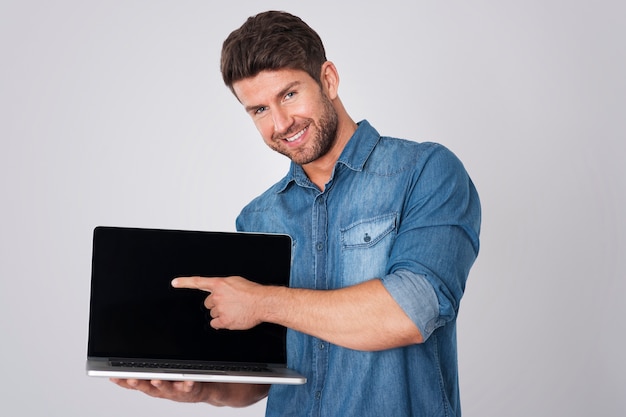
<point x="330" y="80"/>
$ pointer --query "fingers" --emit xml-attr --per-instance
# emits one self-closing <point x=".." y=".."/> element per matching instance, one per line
<point x="174" y="390"/>
<point x="197" y="283"/>
<point x="184" y="386"/>
<point x="203" y="284"/>
<point x="217" y="324"/>
<point x="144" y="386"/>
<point x="173" y="386"/>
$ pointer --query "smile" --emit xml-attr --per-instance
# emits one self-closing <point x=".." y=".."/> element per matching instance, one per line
<point x="297" y="135"/>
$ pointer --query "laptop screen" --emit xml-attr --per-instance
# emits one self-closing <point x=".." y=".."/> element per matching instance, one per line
<point x="136" y="313"/>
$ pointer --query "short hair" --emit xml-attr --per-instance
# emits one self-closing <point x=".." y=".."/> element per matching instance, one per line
<point x="271" y="40"/>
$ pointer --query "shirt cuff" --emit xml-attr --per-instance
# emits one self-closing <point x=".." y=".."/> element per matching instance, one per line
<point x="417" y="298"/>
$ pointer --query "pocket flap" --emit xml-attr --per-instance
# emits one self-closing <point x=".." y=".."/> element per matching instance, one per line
<point x="368" y="232"/>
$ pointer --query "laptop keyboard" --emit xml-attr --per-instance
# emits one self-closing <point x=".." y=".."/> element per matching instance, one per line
<point x="194" y="366"/>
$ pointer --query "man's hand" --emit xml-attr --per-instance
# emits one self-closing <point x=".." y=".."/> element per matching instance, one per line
<point x="232" y="300"/>
<point x="217" y="394"/>
<point x="181" y="391"/>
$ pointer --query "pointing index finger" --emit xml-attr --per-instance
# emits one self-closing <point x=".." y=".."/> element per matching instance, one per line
<point x="197" y="283"/>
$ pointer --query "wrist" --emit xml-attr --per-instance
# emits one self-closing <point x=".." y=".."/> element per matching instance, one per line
<point x="270" y="304"/>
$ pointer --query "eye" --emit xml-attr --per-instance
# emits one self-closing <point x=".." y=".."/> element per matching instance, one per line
<point x="260" y="110"/>
<point x="290" y="95"/>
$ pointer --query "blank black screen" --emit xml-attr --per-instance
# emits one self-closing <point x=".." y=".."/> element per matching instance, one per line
<point x="135" y="312"/>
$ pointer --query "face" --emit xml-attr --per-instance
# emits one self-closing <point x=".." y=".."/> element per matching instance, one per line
<point x="292" y="113"/>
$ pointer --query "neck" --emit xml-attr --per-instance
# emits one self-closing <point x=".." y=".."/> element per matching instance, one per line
<point x="320" y="170"/>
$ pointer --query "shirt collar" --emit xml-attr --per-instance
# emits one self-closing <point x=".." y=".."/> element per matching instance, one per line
<point x="354" y="155"/>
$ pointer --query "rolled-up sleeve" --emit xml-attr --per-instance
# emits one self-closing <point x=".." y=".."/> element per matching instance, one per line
<point x="437" y="242"/>
<point x="416" y="297"/>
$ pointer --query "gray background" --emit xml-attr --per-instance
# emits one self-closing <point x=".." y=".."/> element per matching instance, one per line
<point x="114" y="113"/>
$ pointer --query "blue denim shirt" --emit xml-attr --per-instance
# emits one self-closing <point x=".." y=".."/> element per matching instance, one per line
<point x="401" y="211"/>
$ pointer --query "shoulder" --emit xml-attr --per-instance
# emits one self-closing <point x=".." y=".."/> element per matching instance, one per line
<point x="394" y="155"/>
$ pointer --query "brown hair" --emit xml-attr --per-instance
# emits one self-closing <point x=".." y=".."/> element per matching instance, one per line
<point x="270" y="41"/>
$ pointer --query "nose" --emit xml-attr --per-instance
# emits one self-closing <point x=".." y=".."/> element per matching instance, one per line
<point x="282" y="120"/>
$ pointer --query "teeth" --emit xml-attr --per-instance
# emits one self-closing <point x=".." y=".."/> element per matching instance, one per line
<point x="296" y="136"/>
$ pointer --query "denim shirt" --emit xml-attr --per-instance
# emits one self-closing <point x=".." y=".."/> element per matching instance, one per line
<point x="401" y="211"/>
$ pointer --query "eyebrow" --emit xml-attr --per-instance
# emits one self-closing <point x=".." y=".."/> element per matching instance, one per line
<point x="281" y="93"/>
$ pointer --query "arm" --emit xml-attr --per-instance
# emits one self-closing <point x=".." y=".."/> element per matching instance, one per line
<point x="363" y="317"/>
<point x="217" y="394"/>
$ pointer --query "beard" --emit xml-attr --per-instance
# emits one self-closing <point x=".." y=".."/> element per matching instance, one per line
<point x="325" y="138"/>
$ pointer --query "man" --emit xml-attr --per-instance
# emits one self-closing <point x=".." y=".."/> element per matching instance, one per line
<point x="384" y="234"/>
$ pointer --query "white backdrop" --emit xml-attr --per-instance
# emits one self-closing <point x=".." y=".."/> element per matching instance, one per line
<point x="114" y="113"/>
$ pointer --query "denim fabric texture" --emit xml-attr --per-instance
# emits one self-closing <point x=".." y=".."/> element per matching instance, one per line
<point x="401" y="211"/>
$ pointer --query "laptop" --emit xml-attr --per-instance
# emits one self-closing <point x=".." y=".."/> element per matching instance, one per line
<point x="141" y="327"/>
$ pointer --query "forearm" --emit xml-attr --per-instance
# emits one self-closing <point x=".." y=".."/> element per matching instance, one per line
<point x="361" y="317"/>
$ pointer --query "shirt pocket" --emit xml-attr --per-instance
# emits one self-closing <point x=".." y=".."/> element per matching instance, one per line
<point x="365" y="248"/>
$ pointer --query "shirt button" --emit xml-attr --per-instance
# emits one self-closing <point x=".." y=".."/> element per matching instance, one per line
<point x="321" y="346"/>
<point x="318" y="395"/>
<point x="320" y="246"/>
